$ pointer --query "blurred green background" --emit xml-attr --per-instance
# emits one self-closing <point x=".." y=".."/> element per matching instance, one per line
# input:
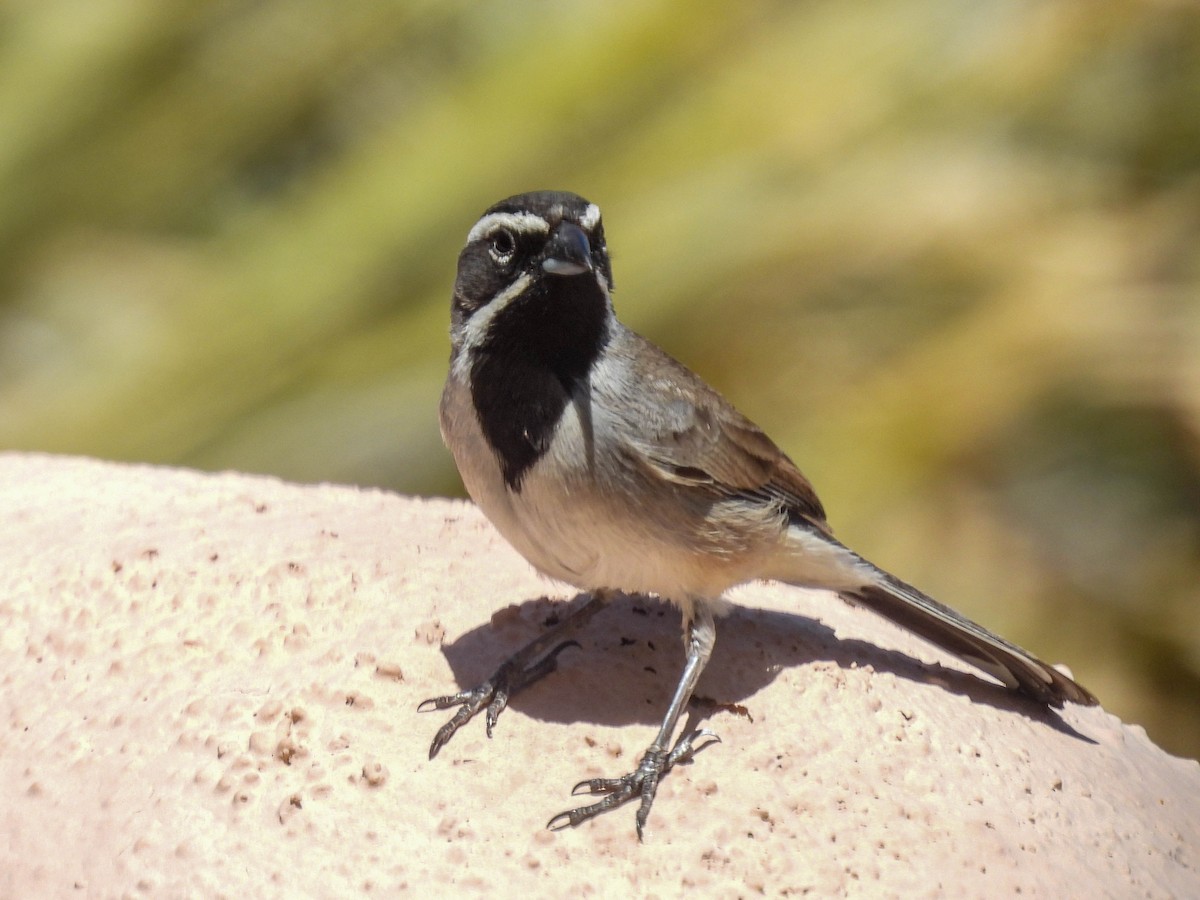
<point x="947" y="254"/>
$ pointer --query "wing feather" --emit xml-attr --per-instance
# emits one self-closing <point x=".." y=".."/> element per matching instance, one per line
<point x="693" y="437"/>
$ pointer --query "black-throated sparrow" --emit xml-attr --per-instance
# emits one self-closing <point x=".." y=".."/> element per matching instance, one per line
<point x="612" y="467"/>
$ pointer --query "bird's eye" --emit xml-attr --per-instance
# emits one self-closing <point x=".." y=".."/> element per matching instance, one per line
<point x="502" y="245"/>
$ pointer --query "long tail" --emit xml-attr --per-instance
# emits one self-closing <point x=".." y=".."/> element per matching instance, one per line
<point x="974" y="644"/>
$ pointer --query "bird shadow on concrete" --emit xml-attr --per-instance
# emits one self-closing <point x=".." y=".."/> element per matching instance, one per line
<point x="631" y="655"/>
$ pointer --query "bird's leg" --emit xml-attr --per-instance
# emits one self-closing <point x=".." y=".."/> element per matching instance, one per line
<point x="657" y="761"/>
<point x="518" y="671"/>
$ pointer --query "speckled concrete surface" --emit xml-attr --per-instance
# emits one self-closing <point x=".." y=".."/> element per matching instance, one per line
<point x="209" y="687"/>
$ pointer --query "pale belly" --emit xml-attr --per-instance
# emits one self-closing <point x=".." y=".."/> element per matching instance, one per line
<point x="591" y="531"/>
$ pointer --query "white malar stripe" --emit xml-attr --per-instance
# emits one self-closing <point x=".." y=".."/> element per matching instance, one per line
<point x="477" y="326"/>
<point x="522" y="223"/>
<point x="590" y="217"/>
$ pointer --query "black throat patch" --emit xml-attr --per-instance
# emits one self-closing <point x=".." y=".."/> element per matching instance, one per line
<point x="535" y="358"/>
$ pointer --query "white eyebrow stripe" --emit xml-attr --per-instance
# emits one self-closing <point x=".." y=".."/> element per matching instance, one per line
<point x="590" y="217"/>
<point x="522" y="223"/>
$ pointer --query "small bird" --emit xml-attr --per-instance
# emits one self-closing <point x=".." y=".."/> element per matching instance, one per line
<point x="612" y="467"/>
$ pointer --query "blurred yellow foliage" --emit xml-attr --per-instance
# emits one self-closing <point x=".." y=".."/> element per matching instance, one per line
<point x="947" y="254"/>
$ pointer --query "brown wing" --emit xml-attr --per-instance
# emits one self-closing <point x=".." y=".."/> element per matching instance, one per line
<point x="693" y="436"/>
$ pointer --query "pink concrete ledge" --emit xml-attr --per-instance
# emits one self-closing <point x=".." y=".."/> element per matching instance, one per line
<point x="210" y="682"/>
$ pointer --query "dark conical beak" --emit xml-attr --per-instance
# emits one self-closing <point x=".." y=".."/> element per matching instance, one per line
<point x="568" y="251"/>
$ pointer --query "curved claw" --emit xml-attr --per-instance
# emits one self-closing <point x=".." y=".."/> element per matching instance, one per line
<point x="445" y="702"/>
<point x="586" y="783"/>
<point x="457" y="721"/>
<point x="468" y="702"/>
<point x="555" y="825"/>
<point x="572" y="817"/>
<point x="498" y="705"/>
<point x="492" y="694"/>
<point x="641" y="782"/>
<point x="598" y="786"/>
<point x="691" y="744"/>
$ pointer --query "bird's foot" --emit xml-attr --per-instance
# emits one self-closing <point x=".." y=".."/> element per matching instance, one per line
<point x="493" y="693"/>
<point x="641" y="782"/>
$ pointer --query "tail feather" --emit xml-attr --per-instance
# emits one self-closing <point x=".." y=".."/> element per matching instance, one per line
<point x="974" y="644"/>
